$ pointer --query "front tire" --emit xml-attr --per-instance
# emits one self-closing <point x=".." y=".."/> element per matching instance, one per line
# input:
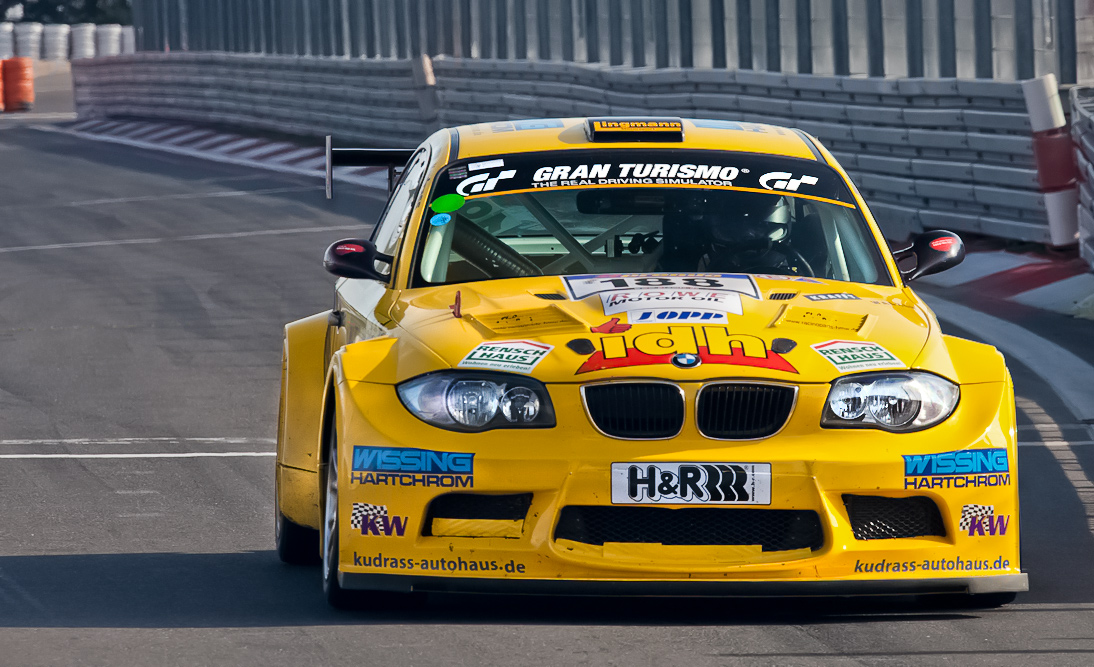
<point x="336" y="595"/>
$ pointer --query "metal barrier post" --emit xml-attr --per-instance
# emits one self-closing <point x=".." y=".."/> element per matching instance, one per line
<point x="501" y="23"/>
<point x="520" y="30"/>
<point x="982" y="38"/>
<point x="486" y="29"/>
<point x="718" y="34"/>
<point x="1023" y="40"/>
<point x="661" y="34"/>
<point x="841" y="42"/>
<point x="638" y="34"/>
<point x="913" y="37"/>
<point x="592" y="32"/>
<point x="1066" y="54"/>
<point x="744" y="33"/>
<point x="615" y="32"/>
<point x="773" y="42"/>
<point x="543" y="29"/>
<point x="804" y="24"/>
<point x="447" y="41"/>
<point x="947" y="40"/>
<point x="566" y="17"/>
<point x="465" y="28"/>
<point x="875" y="39"/>
<point x="687" y="50"/>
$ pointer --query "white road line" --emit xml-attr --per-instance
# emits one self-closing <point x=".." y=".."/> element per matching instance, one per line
<point x="1068" y="375"/>
<point x="193" y="195"/>
<point x="379" y="192"/>
<point x="1049" y="442"/>
<point x="1063" y="454"/>
<point x="141" y="515"/>
<point x="198" y="237"/>
<point x="135" y="492"/>
<point x="130" y="441"/>
<point x="150" y="455"/>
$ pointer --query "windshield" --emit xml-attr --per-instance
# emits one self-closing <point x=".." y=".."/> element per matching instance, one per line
<point x="566" y="212"/>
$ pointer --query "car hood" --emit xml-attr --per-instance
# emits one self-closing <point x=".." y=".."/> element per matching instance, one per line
<point x="781" y="328"/>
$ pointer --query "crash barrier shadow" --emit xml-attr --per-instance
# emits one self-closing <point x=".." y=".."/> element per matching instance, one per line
<point x="926" y="153"/>
<point x="254" y="589"/>
<point x="1082" y="131"/>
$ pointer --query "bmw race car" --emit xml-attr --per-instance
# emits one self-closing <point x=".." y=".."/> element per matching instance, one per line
<point x="648" y="356"/>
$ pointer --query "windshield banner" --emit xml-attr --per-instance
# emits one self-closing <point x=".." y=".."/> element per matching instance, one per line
<point x="620" y="168"/>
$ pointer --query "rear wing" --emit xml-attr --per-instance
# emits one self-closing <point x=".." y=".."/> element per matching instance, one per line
<point x="392" y="158"/>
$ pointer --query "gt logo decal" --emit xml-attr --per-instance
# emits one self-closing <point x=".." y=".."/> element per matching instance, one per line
<point x="784" y="180"/>
<point x="711" y="344"/>
<point x="483" y="182"/>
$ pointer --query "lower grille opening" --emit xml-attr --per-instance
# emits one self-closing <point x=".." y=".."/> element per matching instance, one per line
<point x="773" y="530"/>
<point x="636" y="410"/>
<point x="477" y="515"/>
<point x="881" y="518"/>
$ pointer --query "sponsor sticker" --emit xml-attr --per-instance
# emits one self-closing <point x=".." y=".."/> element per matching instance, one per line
<point x="848" y="355"/>
<point x="957" y="564"/>
<point x="823" y="319"/>
<point x="540" y="320"/>
<point x="981" y="520"/>
<point x="690" y="284"/>
<point x="796" y="279"/>
<point x="845" y="296"/>
<point x="691" y="483"/>
<point x="655" y="316"/>
<point x="712" y="344"/>
<point x="517" y="356"/>
<point x="957" y="470"/>
<point x="440" y="220"/>
<point x="374" y="520"/>
<point x="347" y="248"/>
<point x="403" y="466"/>
<point x="454" y="564"/>
<point x="943" y="244"/>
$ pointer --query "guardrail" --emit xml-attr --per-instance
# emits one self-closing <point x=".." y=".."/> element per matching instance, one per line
<point x="1011" y="40"/>
<point x="1082" y="130"/>
<point x="944" y="153"/>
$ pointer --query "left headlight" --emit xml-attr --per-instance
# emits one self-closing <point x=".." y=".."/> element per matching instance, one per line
<point x="899" y="402"/>
<point x="472" y="401"/>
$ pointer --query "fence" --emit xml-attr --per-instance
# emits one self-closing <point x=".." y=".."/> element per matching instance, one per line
<point x="1082" y="130"/>
<point x="1003" y="39"/>
<point x="925" y="153"/>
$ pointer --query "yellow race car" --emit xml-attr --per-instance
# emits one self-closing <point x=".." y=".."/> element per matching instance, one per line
<point x="640" y="356"/>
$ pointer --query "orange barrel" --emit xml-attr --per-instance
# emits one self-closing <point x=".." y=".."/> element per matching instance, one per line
<point x="18" y="77"/>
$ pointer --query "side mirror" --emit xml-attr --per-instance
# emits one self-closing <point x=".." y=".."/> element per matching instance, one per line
<point x="934" y="252"/>
<point x="355" y="258"/>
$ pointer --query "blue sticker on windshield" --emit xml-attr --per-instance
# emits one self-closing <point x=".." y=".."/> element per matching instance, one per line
<point x="440" y="220"/>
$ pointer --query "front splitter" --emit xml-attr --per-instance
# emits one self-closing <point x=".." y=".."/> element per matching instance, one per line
<point x="1006" y="583"/>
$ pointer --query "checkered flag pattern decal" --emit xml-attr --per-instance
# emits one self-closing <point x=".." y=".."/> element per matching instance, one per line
<point x="362" y="510"/>
<point x="970" y="512"/>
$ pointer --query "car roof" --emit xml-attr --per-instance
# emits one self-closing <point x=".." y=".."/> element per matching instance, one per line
<point x="551" y="134"/>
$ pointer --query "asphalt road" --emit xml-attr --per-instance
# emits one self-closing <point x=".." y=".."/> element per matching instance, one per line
<point x="142" y="297"/>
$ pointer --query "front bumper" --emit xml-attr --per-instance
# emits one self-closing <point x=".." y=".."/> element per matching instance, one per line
<point x="813" y="469"/>
<point x="400" y="583"/>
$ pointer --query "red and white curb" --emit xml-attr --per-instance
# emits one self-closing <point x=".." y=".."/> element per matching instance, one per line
<point x="1063" y="286"/>
<point x="219" y="146"/>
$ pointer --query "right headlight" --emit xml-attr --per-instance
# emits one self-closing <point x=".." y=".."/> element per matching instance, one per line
<point x="900" y="402"/>
<point x="474" y="401"/>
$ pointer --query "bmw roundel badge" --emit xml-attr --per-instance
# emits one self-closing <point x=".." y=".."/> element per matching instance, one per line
<point x="684" y="360"/>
